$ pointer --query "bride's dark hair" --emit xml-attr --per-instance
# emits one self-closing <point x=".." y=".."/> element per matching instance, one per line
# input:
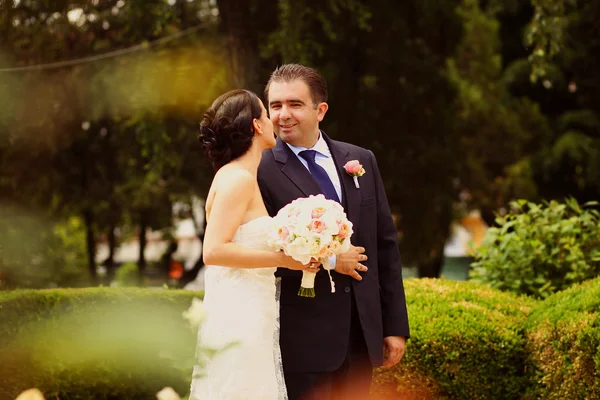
<point x="226" y="130"/>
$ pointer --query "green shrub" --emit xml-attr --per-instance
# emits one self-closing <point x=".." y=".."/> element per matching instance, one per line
<point x="95" y="343"/>
<point x="36" y="252"/>
<point x="466" y="341"/>
<point x="127" y="274"/>
<point x="563" y="335"/>
<point x="540" y="249"/>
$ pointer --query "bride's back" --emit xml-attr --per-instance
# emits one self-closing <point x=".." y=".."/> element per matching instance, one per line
<point x="233" y="174"/>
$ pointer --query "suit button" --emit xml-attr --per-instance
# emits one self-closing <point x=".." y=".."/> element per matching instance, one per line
<point x="347" y="289"/>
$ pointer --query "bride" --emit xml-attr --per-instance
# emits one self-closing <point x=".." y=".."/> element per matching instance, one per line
<point x="240" y="299"/>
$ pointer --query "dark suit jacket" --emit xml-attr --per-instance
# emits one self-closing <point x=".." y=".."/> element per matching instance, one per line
<point x="315" y="331"/>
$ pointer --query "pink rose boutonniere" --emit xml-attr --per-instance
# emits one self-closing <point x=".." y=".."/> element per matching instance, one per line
<point x="354" y="169"/>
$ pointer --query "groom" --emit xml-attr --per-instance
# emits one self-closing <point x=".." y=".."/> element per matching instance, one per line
<point x="331" y="343"/>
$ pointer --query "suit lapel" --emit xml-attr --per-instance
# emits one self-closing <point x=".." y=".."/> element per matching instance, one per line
<point x="294" y="170"/>
<point x="297" y="173"/>
<point x="351" y="197"/>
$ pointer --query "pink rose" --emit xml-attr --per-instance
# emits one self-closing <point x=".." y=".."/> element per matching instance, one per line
<point x="318" y="212"/>
<point x="354" y="168"/>
<point x="317" y="226"/>
<point x="343" y="231"/>
<point x="283" y="233"/>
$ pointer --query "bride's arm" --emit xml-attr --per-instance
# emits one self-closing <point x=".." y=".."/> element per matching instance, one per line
<point x="233" y="197"/>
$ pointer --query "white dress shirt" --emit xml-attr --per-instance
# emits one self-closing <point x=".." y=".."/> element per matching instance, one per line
<point x="322" y="158"/>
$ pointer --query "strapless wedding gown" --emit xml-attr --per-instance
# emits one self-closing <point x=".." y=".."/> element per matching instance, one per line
<point x="242" y="315"/>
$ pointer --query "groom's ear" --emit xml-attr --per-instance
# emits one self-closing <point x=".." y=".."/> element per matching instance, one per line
<point x="322" y="110"/>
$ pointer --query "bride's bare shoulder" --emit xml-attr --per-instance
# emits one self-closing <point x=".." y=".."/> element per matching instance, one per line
<point x="232" y="177"/>
<point x="231" y="184"/>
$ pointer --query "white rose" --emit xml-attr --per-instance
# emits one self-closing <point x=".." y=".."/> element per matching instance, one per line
<point x="315" y="245"/>
<point x="299" y="249"/>
<point x="330" y="222"/>
<point x="196" y="313"/>
<point x="31" y="394"/>
<point x="335" y="246"/>
<point x="167" y="393"/>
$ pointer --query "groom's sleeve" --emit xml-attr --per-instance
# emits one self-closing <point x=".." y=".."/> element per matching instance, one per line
<point x="393" y="300"/>
<point x="266" y="196"/>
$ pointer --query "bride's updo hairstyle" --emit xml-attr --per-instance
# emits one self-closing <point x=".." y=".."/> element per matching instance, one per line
<point x="226" y="130"/>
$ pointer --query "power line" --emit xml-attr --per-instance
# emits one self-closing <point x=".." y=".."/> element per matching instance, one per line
<point x="112" y="54"/>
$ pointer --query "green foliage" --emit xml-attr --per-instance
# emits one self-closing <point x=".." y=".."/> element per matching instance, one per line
<point x="95" y="343"/>
<point x="40" y="253"/>
<point x="540" y="249"/>
<point x="305" y="28"/>
<point x="127" y="275"/>
<point x="466" y="340"/>
<point x="565" y="162"/>
<point x="121" y="147"/>
<point x="575" y="152"/>
<point x="418" y="82"/>
<point x="563" y="335"/>
<point x="495" y="129"/>
<point x="546" y="34"/>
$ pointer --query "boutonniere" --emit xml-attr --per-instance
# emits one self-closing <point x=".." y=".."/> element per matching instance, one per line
<point x="355" y="170"/>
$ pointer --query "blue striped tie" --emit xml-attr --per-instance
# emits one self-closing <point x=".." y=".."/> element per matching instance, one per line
<point x="319" y="174"/>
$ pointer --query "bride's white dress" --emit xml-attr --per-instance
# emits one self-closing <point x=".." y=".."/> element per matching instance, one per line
<point x="242" y="311"/>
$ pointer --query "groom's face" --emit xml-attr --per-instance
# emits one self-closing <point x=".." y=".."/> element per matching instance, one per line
<point x="294" y="115"/>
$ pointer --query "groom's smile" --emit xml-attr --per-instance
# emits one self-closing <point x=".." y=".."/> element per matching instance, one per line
<point x="288" y="126"/>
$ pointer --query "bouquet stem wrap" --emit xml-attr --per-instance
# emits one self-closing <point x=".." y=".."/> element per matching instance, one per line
<point x="307" y="286"/>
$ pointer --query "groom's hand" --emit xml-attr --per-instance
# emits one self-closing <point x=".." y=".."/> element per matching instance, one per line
<point x="393" y="350"/>
<point x="349" y="262"/>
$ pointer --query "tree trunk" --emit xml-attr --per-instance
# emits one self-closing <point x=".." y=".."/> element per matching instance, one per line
<point x="488" y="216"/>
<point x="112" y="245"/>
<point x="110" y="150"/>
<point x="143" y="241"/>
<point x="239" y="29"/>
<point x="433" y="267"/>
<point x="88" y="218"/>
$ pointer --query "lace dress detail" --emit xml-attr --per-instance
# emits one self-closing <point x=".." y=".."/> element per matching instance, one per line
<point x="242" y="312"/>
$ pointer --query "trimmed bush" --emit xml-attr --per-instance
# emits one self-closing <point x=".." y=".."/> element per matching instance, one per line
<point x="466" y="342"/>
<point x="95" y="343"/>
<point x="540" y="249"/>
<point x="563" y="335"/>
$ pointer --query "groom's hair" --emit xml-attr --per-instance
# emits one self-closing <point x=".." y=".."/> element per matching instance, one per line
<point x="290" y="72"/>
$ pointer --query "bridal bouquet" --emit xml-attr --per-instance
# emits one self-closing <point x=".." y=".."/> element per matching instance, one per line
<point x="311" y="227"/>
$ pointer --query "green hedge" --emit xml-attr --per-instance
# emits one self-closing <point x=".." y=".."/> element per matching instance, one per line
<point x="564" y="344"/>
<point x="95" y="343"/>
<point x="466" y="342"/>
